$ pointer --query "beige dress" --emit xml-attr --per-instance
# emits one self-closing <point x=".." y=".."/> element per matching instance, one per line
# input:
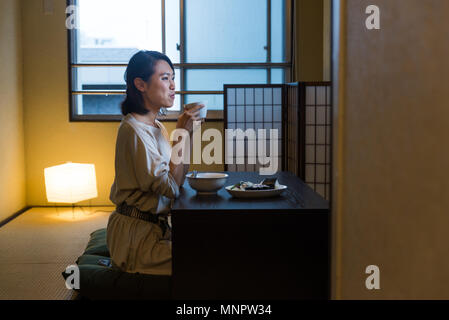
<point x="143" y="180"/>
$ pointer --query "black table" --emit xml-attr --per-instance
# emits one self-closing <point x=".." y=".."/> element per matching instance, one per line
<point x="269" y="248"/>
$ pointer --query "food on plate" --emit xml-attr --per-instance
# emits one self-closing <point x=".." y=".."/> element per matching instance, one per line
<point x="265" y="184"/>
<point x="271" y="182"/>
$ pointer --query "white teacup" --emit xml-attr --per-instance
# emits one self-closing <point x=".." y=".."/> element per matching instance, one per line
<point x="203" y="111"/>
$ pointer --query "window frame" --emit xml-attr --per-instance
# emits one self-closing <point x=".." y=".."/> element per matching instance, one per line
<point x="212" y="115"/>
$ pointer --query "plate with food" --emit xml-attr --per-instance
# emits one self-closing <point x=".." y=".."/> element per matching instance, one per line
<point x="268" y="187"/>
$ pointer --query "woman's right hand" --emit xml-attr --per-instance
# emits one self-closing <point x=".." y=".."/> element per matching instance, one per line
<point x="185" y="121"/>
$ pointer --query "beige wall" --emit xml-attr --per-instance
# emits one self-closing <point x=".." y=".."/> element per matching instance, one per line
<point x="327" y="40"/>
<point x="12" y="167"/>
<point x="49" y="137"/>
<point x="391" y="152"/>
<point x="309" y="40"/>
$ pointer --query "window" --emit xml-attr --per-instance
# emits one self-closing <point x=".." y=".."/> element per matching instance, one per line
<point x="210" y="42"/>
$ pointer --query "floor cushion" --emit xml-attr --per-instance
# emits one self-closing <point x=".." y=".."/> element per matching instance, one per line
<point x="99" y="282"/>
<point x="97" y="243"/>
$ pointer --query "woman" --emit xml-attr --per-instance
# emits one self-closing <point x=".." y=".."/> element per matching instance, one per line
<point x="146" y="180"/>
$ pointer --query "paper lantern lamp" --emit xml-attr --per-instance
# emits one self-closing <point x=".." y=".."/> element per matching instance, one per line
<point x="70" y="182"/>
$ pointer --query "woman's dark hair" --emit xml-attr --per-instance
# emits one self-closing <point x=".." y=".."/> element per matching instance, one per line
<point x="141" y="65"/>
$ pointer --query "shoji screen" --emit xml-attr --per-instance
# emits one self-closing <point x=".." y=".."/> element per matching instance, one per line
<point x="253" y="107"/>
<point x="294" y="124"/>
<point x="302" y="114"/>
<point x="318" y="127"/>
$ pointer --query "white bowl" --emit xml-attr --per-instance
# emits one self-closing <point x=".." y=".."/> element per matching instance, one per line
<point x="207" y="182"/>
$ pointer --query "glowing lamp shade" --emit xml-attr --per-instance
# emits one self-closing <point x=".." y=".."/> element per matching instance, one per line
<point x="70" y="182"/>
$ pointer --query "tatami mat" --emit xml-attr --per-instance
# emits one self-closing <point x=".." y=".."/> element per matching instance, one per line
<point x="39" y="244"/>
